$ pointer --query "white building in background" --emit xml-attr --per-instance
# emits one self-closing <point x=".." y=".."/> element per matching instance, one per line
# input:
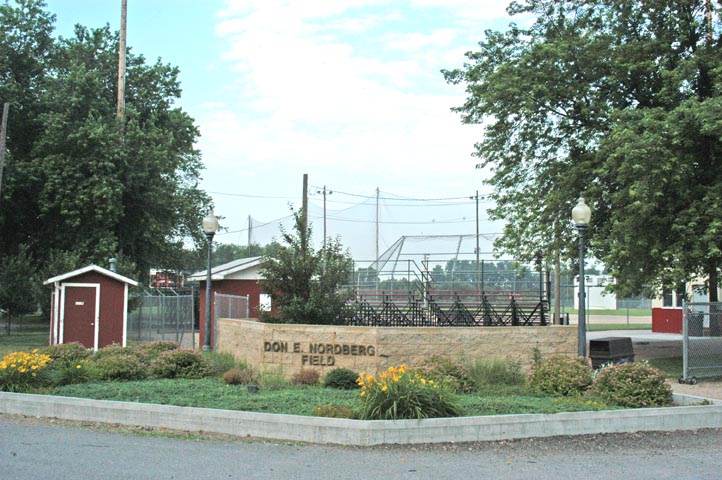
<point x="598" y="297"/>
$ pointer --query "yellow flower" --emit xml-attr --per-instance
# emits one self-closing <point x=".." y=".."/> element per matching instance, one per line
<point x="22" y="369"/>
<point x="363" y="394"/>
<point x="423" y="381"/>
<point x="79" y="366"/>
<point x="35" y="351"/>
<point x="384" y="388"/>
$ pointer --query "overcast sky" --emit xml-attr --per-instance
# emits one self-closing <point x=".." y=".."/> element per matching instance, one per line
<point x="347" y="91"/>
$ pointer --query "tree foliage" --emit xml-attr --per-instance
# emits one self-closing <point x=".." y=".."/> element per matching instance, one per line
<point x="304" y="284"/>
<point x="618" y="100"/>
<point x="80" y="181"/>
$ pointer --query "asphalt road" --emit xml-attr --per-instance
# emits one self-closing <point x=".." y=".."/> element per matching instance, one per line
<point x="47" y="449"/>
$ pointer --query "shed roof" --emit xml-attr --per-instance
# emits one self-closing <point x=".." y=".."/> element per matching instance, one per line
<point x="221" y="272"/>
<point x="91" y="268"/>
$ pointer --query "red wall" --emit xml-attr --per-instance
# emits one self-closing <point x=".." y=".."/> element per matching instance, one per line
<point x="112" y="306"/>
<point x="230" y="287"/>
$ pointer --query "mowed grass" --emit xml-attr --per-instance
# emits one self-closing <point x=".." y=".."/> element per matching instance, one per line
<point x="214" y="393"/>
<point x="601" y="327"/>
<point x="23" y="340"/>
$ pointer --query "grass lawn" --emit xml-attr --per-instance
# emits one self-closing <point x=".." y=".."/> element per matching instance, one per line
<point x="600" y="327"/>
<point x="672" y="366"/>
<point x="623" y="312"/>
<point x="25" y="340"/>
<point x="214" y="393"/>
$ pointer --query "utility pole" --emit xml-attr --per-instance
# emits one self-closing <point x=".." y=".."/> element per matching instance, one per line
<point x="250" y="226"/>
<point x="324" y="192"/>
<point x="3" y="130"/>
<point x="121" y="59"/>
<point x="557" y="275"/>
<point x="477" y="238"/>
<point x="304" y="215"/>
<point x="377" y="228"/>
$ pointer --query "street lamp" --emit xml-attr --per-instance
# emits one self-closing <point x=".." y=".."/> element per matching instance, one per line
<point x="210" y="227"/>
<point x="581" y="214"/>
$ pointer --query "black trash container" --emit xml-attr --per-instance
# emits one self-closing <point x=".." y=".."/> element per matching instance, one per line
<point x="695" y="324"/>
<point x="610" y="350"/>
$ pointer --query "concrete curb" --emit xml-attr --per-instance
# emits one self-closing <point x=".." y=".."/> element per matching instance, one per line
<point x="688" y="416"/>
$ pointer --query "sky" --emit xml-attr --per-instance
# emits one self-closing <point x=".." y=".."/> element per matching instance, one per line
<point x="346" y="91"/>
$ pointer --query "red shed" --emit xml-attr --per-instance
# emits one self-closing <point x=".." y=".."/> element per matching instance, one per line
<point x="90" y="306"/>
<point x="239" y="277"/>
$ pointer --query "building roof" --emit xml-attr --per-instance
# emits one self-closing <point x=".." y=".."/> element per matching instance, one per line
<point x="221" y="272"/>
<point x="91" y="268"/>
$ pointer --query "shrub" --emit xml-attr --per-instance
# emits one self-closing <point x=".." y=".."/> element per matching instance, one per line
<point x="67" y="353"/>
<point x="401" y="393"/>
<point x="20" y="371"/>
<point x="441" y="369"/>
<point x="632" y="385"/>
<point x="306" y="376"/>
<point x="495" y="371"/>
<point x="341" y="378"/>
<point x="560" y="375"/>
<point x="220" y="362"/>
<point x="153" y="349"/>
<point x="240" y="376"/>
<point x="334" y="411"/>
<point x="114" y="349"/>
<point x="120" y="365"/>
<point x="180" y="364"/>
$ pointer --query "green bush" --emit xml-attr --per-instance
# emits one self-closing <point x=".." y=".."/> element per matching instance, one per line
<point x="632" y="385"/>
<point x="341" y="378"/>
<point x="220" y="362"/>
<point x="444" y="370"/>
<point x="180" y="364"/>
<point x="306" y="376"/>
<point x="334" y="411"/>
<point x="120" y="365"/>
<point x="240" y="376"/>
<point x="153" y="349"/>
<point x="114" y="349"/>
<point x="400" y="393"/>
<point x="560" y="375"/>
<point x="67" y="353"/>
<point x="495" y="371"/>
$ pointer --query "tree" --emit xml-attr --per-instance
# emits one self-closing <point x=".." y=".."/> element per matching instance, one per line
<point x="305" y="284"/>
<point x="617" y="100"/>
<point x="79" y="179"/>
<point x="227" y="252"/>
<point x="16" y="285"/>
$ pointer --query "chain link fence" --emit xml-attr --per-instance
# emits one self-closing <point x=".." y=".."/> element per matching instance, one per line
<point x="701" y="341"/>
<point x="162" y="317"/>
<point x="228" y="306"/>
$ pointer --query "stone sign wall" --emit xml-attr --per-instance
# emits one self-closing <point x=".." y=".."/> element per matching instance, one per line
<point x="324" y="347"/>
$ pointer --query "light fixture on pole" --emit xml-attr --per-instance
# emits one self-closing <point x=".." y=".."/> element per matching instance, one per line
<point x="210" y="227"/>
<point x="581" y="214"/>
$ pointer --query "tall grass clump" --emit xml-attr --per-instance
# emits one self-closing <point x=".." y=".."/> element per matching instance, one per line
<point x="495" y="371"/>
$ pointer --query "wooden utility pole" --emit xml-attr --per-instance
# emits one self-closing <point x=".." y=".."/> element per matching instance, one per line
<point x="557" y="275"/>
<point x="3" y="130"/>
<point x="304" y="215"/>
<point x="377" y="228"/>
<point x="324" y="192"/>
<point x="250" y="226"/>
<point x="121" y="59"/>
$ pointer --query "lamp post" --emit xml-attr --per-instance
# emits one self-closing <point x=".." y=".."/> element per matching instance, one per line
<point x="210" y="227"/>
<point x="581" y="214"/>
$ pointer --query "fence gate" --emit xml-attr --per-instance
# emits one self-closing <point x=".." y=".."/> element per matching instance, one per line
<point x="228" y="306"/>
<point x="701" y="341"/>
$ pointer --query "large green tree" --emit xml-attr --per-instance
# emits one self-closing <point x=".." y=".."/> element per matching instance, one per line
<point x="618" y="100"/>
<point x="79" y="179"/>
<point x="305" y="284"/>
